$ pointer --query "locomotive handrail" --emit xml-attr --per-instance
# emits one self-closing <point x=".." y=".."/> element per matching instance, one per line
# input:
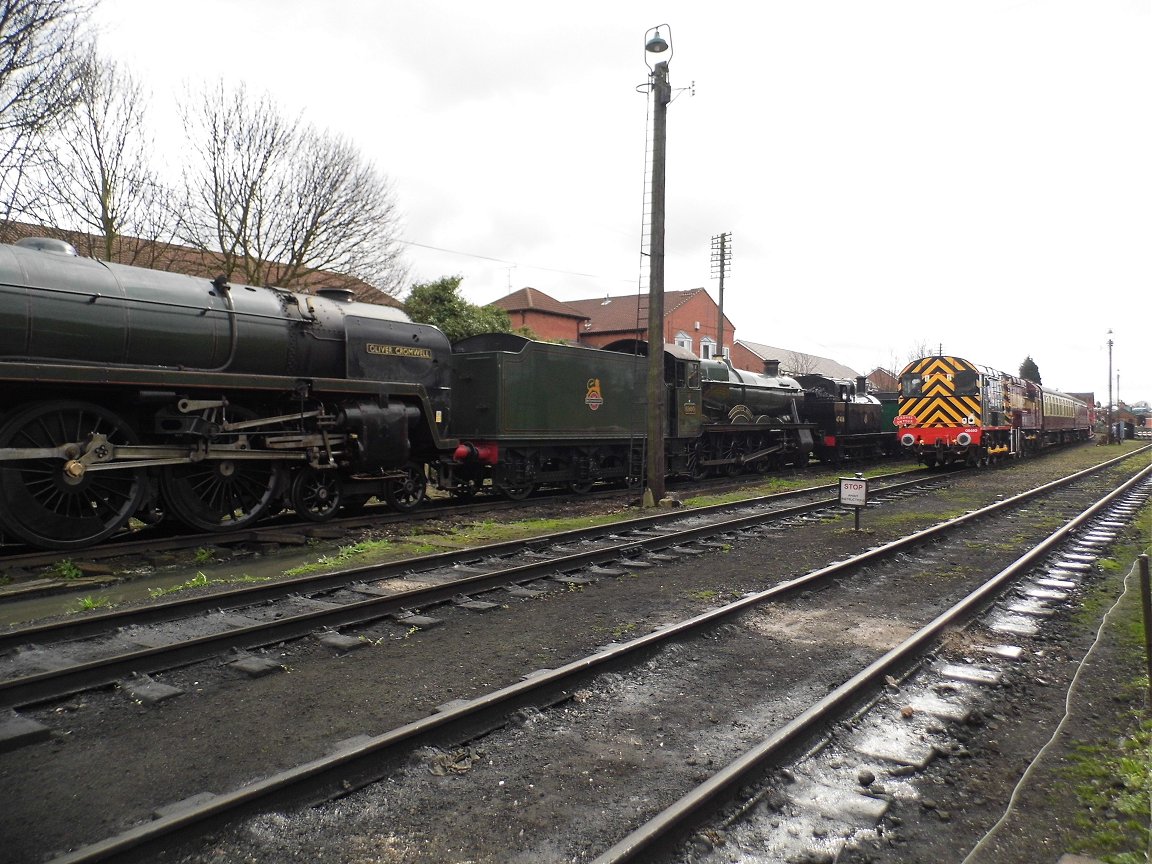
<point x="95" y="296"/>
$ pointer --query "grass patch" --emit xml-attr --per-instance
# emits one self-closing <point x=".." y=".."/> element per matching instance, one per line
<point x="90" y="603"/>
<point x="622" y="630"/>
<point x="202" y="581"/>
<point x="65" y="569"/>
<point x="901" y="521"/>
<point x="1112" y="782"/>
<point x="1112" y="779"/>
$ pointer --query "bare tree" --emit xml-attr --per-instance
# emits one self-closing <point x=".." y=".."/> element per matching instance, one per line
<point x="285" y="204"/>
<point x="799" y="363"/>
<point x="98" y="186"/>
<point x="41" y="49"/>
<point x="918" y="350"/>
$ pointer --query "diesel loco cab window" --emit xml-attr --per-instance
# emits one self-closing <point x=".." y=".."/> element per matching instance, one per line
<point x="912" y="385"/>
<point x="966" y="383"/>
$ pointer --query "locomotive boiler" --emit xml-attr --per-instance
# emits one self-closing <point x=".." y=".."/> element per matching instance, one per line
<point x="129" y="392"/>
<point x="752" y="420"/>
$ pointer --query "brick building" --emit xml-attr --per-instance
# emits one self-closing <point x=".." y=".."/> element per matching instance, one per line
<point x="690" y="319"/>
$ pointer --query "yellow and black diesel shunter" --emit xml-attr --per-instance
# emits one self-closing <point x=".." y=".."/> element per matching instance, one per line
<point x="953" y="411"/>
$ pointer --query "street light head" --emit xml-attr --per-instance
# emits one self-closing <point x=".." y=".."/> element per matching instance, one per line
<point x="654" y="43"/>
<point x="657" y="44"/>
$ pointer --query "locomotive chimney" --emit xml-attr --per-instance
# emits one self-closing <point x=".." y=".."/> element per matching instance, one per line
<point x="861" y="385"/>
<point x="771" y="368"/>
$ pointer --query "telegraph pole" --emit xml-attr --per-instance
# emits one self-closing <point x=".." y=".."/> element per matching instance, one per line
<point x="721" y="259"/>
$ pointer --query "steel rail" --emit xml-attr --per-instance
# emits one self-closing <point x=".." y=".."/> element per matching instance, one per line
<point x="57" y="683"/>
<point x="676" y="819"/>
<point x="103" y="622"/>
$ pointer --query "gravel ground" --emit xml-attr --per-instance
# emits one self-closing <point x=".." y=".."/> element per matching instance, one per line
<point x="110" y="761"/>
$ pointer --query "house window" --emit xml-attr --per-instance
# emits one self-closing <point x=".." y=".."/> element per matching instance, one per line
<point x="707" y="348"/>
<point x="683" y="340"/>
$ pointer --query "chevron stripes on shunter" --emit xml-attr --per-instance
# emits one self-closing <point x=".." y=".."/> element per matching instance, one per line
<point x="939" y="405"/>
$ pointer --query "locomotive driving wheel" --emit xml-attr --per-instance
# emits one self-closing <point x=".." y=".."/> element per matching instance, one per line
<point x="60" y="502"/>
<point x="222" y="494"/>
<point x="406" y="493"/>
<point x="315" y="494"/>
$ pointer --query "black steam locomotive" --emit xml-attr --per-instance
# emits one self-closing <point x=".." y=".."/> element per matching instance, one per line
<point x="128" y="391"/>
<point x="133" y="393"/>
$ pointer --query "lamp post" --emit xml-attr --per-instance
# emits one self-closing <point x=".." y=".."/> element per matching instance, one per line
<point x="661" y="92"/>
<point x="1109" y="386"/>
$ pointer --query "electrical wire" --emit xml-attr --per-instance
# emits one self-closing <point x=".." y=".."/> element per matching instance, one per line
<point x="513" y="263"/>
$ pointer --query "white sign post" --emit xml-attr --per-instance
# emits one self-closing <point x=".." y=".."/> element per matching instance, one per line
<point x="854" y="493"/>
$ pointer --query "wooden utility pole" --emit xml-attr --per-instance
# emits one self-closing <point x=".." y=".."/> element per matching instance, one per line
<point x="661" y="95"/>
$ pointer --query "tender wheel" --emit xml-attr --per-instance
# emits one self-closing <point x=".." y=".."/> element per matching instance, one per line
<point x="62" y="503"/>
<point x="406" y="494"/>
<point x="315" y="494"/>
<point x="581" y="487"/>
<point x="466" y="487"/>
<point x="518" y="491"/>
<point x="220" y="495"/>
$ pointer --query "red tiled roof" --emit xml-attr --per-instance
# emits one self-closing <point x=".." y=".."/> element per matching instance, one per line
<point x="628" y="313"/>
<point x="530" y="298"/>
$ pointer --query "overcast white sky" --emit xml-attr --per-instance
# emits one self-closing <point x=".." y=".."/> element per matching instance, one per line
<point x="893" y="174"/>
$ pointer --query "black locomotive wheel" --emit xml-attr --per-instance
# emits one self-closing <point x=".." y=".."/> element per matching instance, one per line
<point x="58" y="503"/>
<point x="220" y="495"/>
<point x="407" y="493"/>
<point x="695" y="470"/>
<point x="315" y="494"/>
<point x="465" y="488"/>
<point x="581" y="487"/>
<point x="517" y="491"/>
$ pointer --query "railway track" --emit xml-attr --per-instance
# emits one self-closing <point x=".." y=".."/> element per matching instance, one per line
<point x="148" y="540"/>
<point x="54" y="660"/>
<point x="357" y="763"/>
